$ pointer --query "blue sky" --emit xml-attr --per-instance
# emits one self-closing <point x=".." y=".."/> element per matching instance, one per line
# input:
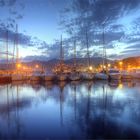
<point x="39" y="29"/>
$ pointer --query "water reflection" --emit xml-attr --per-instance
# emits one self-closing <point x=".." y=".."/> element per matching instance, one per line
<point x="70" y="110"/>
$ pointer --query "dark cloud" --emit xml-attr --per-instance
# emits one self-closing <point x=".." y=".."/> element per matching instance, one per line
<point x="7" y="2"/>
<point x="2" y="3"/>
<point x="13" y="12"/>
<point x="22" y="39"/>
<point x="35" y="57"/>
<point x="101" y="11"/>
<point x="19" y="16"/>
<point x="11" y="2"/>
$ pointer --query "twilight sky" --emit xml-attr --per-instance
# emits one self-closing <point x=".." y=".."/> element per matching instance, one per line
<point x="39" y="27"/>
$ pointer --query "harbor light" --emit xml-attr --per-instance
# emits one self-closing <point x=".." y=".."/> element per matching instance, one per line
<point x="37" y="66"/>
<point x="18" y="65"/>
<point x="90" y="68"/>
<point x="104" y="67"/>
<point x="120" y="63"/>
<point x="109" y="65"/>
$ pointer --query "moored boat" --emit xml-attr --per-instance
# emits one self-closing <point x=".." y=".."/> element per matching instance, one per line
<point x="135" y="73"/>
<point x="101" y="76"/>
<point x="17" y="77"/>
<point x="61" y="77"/>
<point x="114" y="74"/>
<point x="5" y="78"/>
<point x="87" y="76"/>
<point x="126" y="75"/>
<point x="74" y="76"/>
<point x="49" y="77"/>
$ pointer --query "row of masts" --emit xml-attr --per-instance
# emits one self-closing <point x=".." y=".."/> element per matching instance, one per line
<point x="104" y="54"/>
<point x="15" y="57"/>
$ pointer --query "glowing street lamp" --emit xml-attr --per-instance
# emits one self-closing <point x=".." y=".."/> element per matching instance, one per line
<point x="104" y="67"/>
<point x="37" y="66"/>
<point x="90" y="68"/>
<point x="120" y="63"/>
<point x="109" y="65"/>
<point x="18" y="65"/>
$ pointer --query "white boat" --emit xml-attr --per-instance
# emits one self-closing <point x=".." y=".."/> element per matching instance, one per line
<point x="87" y="76"/>
<point x="35" y="78"/>
<point x="49" y="77"/>
<point x="17" y="77"/>
<point x="126" y="75"/>
<point x="101" y="76"/>
<point x="62" y="77"/>
<point x="5" y="78"/>
<point x="114" y="74"/>
<point x="135" y="73"/>
<point x="74" y="76"/>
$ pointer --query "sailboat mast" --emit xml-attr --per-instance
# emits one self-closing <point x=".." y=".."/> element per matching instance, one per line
<point x="75" y="53"/>
<point x="104" y="50"/>
<point x="87" y="43"/>
<point x="61" y="52"/>
<point x="16" y="44"/>
<point x="7" y="51"/>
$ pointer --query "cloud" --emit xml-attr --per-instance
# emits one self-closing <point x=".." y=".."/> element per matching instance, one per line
<point x="22" y="39"/>
<point x="2" y="3"/>
<point x="19" y="17"/>
<point x="7" y="2"/>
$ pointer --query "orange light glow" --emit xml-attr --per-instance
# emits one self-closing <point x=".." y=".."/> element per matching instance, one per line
<point x="18" y="65"/>
<point x="37" y="66"/>
<point x="90" y="68"/>
<point x="109" y="65"/>
<point x="120" y="85"/>
<point x="120" y="63"/>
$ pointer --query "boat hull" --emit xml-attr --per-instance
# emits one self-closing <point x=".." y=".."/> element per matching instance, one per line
<point x="61" y="77"/>
<point x="115" y="76"/>
<point x="74" y="77"/>
<point x="87" y="76"/>
<point x="49" y="78"/>
<point x="4" y="79"/>
<point x="17" y="78"/>
<point x="35" y="78"/>
<point x="126" y="77"/>
<point x="136" y="75"/>
<point x="101" y="76"/>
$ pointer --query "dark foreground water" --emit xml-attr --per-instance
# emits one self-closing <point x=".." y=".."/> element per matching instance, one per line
<point x="77" y="110"/>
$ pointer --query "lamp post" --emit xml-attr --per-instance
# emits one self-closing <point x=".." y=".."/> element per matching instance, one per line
<point x="120" y="64"/>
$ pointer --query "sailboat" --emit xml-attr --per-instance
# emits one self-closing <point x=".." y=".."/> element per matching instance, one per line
<point x="74" y="75"/>
<point x="61" y="75"/>
<point x="88" y="75"/>
<point x="102" y="75"/>
<point x="17" y="76"/>
<point x="5" y="75"/>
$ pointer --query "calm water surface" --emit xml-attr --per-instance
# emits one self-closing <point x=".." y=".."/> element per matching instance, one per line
<point x="77" y="110"/>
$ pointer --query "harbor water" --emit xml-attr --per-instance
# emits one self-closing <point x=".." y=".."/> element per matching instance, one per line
<point x="74" y="110"/>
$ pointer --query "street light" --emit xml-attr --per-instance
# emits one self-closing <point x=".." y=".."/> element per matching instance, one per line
<point x="90" y="68"/>
<point x="18" y="65"/>
<point x="109" y="65"/>
<point x="36" y="66"/>
<point x="120" y="63"/>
